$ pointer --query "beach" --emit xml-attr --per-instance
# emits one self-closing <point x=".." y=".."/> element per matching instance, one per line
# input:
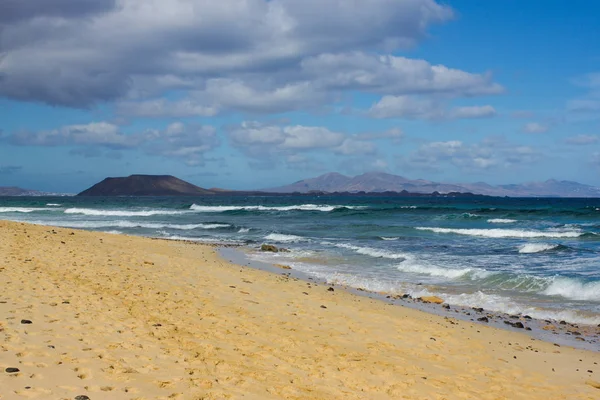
<point x="121" y="317"/>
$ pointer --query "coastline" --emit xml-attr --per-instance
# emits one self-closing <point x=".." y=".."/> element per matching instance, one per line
<point x="563" y="333"/>
<point x="126" y="317"/>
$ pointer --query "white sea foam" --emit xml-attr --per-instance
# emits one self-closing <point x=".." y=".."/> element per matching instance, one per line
<point x="505" y="233"/>
<point x="536" y="247"/>
<point x="412" y="266"/>
<point x="200" y="240"/>
<point x="120" y="213"/>
<point x="501" y="221"/>
<point x="53" y="204"/>
<point x="509" y="306"/>
<point x="574" y="289"/>
<point x="278" y="237"/>
<point x="127" y="224"/>
<point x="244" y="230"/>
<point x="377" y="253"/>
<point x="114" y="232"/>
<point x="301" y="207"/>
<point x="389" y="238"/>
<point x="22" y="209"/>
<point x="471" y="215"/>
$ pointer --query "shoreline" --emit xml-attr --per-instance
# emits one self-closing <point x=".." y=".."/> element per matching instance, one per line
<point x="128" y="317"/>
<point x="580" y="336"/>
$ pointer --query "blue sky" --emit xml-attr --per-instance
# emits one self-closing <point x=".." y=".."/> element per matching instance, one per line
<point x="248" y="94"/>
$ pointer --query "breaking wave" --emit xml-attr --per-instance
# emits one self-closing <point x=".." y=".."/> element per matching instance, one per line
<point x="506" y="233"/>
<point x="501" y="221"/>
<point x="536" y="247"/>
<point x="278" y="237"/>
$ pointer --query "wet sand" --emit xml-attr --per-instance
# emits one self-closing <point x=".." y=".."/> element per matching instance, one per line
<point x="119" y="317"/>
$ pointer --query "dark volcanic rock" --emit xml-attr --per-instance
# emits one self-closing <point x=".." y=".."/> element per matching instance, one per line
<point x="82" y="397"/>
<point x="145" y="185"/>
<point x="483" y="319"/>
<point x="12" y="370"/>
<point x="26" y="322"/>
<point x="269" y="247"/>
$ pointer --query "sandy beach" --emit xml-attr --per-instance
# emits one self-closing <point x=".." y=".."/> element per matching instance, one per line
<point x="120" y="317"/>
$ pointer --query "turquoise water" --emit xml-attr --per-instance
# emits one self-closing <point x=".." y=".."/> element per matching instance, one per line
<point x="536" y="256"/>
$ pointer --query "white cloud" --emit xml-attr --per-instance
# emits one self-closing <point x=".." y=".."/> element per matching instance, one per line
<point x="96" y="50"/>
<point x="387" y="74"/>
<point x="187" y="143"/>
<point x="473" y="112"/>
<point x="308" y="137"/>
<point x="535" y="127"/>
<point x="583" y="139"/>
<point x="353" y="146"/>
<point x="405" y="107"/>
<point x="95" y="133"/>
<point x="160" y="108"/>
<point x="411" y="107"/>
<point x="490" y="153"/>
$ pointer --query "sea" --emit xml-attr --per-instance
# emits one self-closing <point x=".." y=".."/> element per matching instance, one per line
<point x="535" y="256"/>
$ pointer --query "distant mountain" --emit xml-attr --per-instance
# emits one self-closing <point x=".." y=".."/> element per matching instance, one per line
<point x="17" y="191"/>
<point x="145" y="185"/>
<point x="381" y="182"/>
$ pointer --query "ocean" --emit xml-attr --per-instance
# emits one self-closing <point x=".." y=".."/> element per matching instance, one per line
<point x="535" y="256"/>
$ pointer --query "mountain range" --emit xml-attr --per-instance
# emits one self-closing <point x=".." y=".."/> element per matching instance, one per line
<point x="381" y="182"/>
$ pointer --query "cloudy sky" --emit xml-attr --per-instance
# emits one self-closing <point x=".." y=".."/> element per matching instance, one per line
<point x="256" y="93"/>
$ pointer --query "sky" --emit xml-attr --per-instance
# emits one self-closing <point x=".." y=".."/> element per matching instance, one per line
<point x="250" y="94"/>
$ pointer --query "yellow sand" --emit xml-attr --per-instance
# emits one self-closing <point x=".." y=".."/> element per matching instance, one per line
<point x="119" y="317"/>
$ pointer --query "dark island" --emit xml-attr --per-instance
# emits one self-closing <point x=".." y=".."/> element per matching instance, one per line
<point x="145" y="185"/>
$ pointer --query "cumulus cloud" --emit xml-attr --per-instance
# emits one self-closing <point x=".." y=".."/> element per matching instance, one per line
<point x="187" y="143"/>
<point x="160" y="108"/>
<point x="411" y="107"/>
<point x="535" y="127"/>
<point x="386" y="74"/>
<point x="297" y="144"/>
<point x="257" y="139"/>
<point x="96" y="133"/>
<point x="488" y="154"/>
<point x="473" y="112"/>
<point x="80" y="53"/>
<point x="582" y="140"/>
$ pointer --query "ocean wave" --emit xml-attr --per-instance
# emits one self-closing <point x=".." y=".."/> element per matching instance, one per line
<point x="244" y="230"/>
<point x="300" y="207"/>
<point x="506" y="233"/>
<point x="574" y="289"/>
<point x="501" y="221"/>
<point x="412" y="266"/>
<point x="536" y="247"/>
<point x="389" y="238"/>
<point x="490" y="302"/>
<point x="53" y="204"/>
<point x="23" y="209"/>
<point x="120" y="213"/>
<point x="278" y="237"/>
<point x="369" y="251"/>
